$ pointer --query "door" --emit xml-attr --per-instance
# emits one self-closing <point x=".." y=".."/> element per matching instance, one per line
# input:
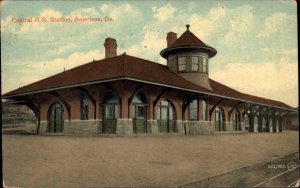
<point x="110" y="118"/>
<point x="110" y="113"/>
<point x="246" y="122"/>
<point x="235" y="120"/>
<point x="219" y="123"/>
<point x="166" y="117"/>
<point x="139" y="119"/>
<point x="56" y="118"/>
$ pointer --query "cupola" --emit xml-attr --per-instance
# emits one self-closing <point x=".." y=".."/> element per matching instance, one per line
<point x="189" y="57"/>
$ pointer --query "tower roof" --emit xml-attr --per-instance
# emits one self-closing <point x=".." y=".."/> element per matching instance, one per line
<point x="189" y="41"/>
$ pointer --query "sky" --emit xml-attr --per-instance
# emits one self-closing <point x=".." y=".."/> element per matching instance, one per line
<point x="256" y="40"/>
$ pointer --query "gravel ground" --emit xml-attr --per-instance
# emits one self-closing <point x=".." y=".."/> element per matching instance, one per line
<point x="58" y="161"/>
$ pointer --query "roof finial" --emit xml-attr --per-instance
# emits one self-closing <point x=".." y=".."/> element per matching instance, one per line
<point x="187" y="26"/>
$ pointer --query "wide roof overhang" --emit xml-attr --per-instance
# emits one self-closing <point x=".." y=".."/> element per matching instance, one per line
<point x="173" y="50"/>
<point x="142" y="81"/>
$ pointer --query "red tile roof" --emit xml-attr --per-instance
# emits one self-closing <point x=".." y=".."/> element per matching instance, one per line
<point x="133" y="68"/>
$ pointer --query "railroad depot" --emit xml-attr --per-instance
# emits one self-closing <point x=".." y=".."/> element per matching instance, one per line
<point x="126" y="95"/>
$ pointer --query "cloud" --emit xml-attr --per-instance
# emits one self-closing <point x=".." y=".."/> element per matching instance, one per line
<point x="84" y="12"/>
<point x="35" y="71"/>
<point x="204" y="25"/>
<point x="275" y="23"/>
<point x="289" y="52"/>
<point x="48" y="13"/>
<point x="289" y="2"/>
<point x="219" y="24"/>
<point x="164" y="12"/>
<point x="10" y="27"/>
<point x="120" y="11"/>
<point x="61" y="49"/>
<point x="239" y="26"/>
<point x="277" y="81"/>
<point x="148" y="47"/>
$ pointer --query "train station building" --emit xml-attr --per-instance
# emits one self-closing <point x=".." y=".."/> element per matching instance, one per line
<point x="126" y="95"/>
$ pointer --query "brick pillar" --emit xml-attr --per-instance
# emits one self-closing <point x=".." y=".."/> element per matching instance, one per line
<point x="124" y="106"/>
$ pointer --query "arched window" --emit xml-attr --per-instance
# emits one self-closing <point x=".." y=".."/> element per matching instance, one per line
<point x="193" y="110"/>
<point x="84" y="107"/>
<point x="139" y="114"/>
<point x="235" y="120"/>
<point x="246" y="122"/>
<point x="56" y="118"/>
<point x="166" y="118"/>
<point x="110" y="113"/>
<point x="271" y="125"/>
<point x="255" y="124"/>
<point x="219" y="119"/>
<point x="264" y="125"/>
<point x="204" y="115"/>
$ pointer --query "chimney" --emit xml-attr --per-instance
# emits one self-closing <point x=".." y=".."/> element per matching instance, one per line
<point x="111" y="46"/>
<point x="171" y="38"/>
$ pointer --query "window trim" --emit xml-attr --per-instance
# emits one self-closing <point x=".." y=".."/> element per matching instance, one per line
<point x="194" y="63"/>
<point x="82" y="106"/>
<point x="193" y="108"/>
<point x="188" y="65"/>
<point x="178" y="64"/>
<point x="205" y="60"/>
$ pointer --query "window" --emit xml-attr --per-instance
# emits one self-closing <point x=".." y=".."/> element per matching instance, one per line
<point x="219" y="119"/>
<point x="204" y="65"/>
<point x="264" y="125"/>
<point x="139" y="106"/>
<point x="195" y="63"/>
<point x="255" y="124"/>
<point x="182" y="63"/>
<point x="270" y="125"/>
<point x="193" y="110"/>
<point x="140" y="112"/>
<point x="111" y="111"/>
<point x="235" y="120"/>
<point x="246" y="122"/>
<point x="84" y="106"/>
<point x="204" y="110"/>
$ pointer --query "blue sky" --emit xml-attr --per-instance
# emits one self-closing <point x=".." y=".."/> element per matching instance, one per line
<point x="256" y="40"/>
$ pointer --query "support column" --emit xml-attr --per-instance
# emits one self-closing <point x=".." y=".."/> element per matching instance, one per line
<point x="151" y="119"/>
<point x="124" y="124"/>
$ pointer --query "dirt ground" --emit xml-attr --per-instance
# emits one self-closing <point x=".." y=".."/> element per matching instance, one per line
<point x="58" y="161"/>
